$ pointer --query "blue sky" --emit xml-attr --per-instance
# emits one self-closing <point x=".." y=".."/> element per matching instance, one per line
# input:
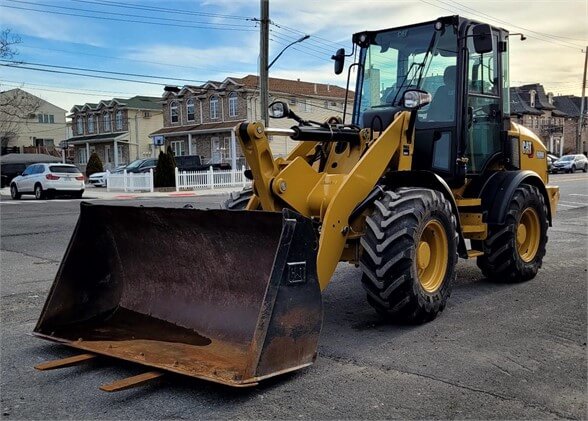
<point x="203" y="40"/>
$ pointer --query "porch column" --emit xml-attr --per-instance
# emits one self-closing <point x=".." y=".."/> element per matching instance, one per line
<point x="115" y="154"/>
<point x="233" y="150"/>
<point x="189" y="143"/>
<point x="87" y="152"/>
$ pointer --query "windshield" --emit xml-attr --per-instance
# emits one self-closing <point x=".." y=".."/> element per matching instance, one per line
<point x="64" y="169"/>
<point x="567" y="158"/>
<point x="416" y="57"/>
<point x="134" y="164"/>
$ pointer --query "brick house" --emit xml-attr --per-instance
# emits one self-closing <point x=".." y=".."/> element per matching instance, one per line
<point x="536" y="110"/>
<point x="201" y="120"/>
<point x="116" y="129"/>
<point x="570" y="105"/>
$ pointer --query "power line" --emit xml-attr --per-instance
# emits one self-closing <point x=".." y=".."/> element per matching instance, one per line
<point x="162" y="9"/>
<point x="511" y="24"/>
<point x="309" y="43"/>
<point x="85" y="93"/>
<point x="326" y="41"/>
<point x="289" y="39"/>
<point x="281" y="42"/>
<point x="102" y="71"/>
<point x="120" y="14"/>
<point x="222" y="28"/>
<point x="82" y="74"/>
<point x="560" y="43"/>
<point x="129" y="59"/>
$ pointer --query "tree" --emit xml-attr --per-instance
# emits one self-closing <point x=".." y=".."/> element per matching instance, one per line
<point x="16" y="106"/>
<point x="165" y="175"/>
<point x="94" y="165"/>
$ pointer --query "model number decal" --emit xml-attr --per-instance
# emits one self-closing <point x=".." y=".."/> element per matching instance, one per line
<point x="540" y="155"/>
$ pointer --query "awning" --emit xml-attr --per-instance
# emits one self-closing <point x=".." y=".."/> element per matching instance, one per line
<point x="99" y="138"/>
<point x="197" y="128"/>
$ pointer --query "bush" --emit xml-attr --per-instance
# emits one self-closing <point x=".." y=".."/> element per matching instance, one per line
<point x="94" y="165"/>
<point x="165" y="174"/>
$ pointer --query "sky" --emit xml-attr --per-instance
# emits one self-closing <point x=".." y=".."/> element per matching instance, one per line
<point x="190" y="41"/>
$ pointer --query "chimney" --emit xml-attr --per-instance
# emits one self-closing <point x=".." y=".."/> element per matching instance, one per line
<point x="315" y="88"/>
<point x="328" y="88"/>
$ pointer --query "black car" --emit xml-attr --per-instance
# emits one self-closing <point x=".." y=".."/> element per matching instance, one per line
<point x="141" y="165"/>
<point x="194" y="163"/>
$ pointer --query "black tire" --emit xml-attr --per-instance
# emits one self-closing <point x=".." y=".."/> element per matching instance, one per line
<point x="39" y="192"/>
<point x="585" y="169"/>
<point x="389" y="258"/>
<point x="78" y="195"/>
<point x="573" y="170"/>
<point x="14" y="193"/>
<point x="502" y="260"/>
<point x="238" y="200"/>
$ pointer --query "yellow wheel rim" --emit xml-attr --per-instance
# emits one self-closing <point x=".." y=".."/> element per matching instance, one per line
<point x="528" y="234"/>
<point x="432" y="256"/>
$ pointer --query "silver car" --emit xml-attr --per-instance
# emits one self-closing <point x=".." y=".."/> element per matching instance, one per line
<point x="570" y="163"/>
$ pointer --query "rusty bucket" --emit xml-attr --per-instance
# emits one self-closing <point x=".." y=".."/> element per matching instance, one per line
<point x="226" y="296"/>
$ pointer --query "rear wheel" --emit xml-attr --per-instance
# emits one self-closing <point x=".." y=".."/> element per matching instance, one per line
<point x="39" y="192"/>
<point x="409" y="254"/>
<point x="573" y="170"/>
<point x="238" y="200"/>
<point x="514" y="251"/>
<point x="14" y="193"/>
<point x="585" y="169"/>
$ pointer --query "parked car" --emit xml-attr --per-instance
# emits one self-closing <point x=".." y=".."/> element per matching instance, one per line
<point x="196" y="163"/>
<point x="48" y="180"/>
<point x="570" y="163"/>
<point x="98" y="179"/>
<point x="550" y="160"/>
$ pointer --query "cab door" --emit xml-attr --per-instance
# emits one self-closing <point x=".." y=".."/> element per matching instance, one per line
<point x="484" y="116"/>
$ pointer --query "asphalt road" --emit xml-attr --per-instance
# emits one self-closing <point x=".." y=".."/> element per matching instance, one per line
<point x="498" y="351"/>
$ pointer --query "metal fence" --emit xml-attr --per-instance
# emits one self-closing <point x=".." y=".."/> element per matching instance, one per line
<point x="210" y="179"/>
<point x="130" y="182"/>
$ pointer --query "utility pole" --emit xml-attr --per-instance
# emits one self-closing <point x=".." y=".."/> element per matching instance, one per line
<point x="263" y="60"/>
<point x="579" y="148"/>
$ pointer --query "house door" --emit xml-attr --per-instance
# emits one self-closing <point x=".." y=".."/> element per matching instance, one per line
<point x="216" y="151"/>
<point x="108" y="156"/>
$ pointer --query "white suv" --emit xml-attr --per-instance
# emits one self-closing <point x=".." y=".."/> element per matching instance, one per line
<point x="46" y="180"/>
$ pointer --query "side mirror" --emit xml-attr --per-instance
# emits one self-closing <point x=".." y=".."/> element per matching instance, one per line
<point x="414" y="99"/>
<point x="339" y="58"/>
<point x="482" y="34"/>
<point x="279" y="109"/>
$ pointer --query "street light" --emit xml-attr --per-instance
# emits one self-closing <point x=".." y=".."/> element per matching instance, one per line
<point x="304" y="38"/>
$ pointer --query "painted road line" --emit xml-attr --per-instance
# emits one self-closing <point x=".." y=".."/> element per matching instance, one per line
<point x="578" y="194"/>
<point x="574" y="203"/>
<point x="565" y="180"/>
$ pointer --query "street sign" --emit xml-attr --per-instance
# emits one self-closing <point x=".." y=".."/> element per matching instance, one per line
<point x="158" y="140"/>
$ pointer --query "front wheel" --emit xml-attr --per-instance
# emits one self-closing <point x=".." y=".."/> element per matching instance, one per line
<point x="514" y="251"/>
<point x="585" y="169"/>
<point x="238" y="200"/>
<point x="409" y="254"/>
<point x="14" y="193"/>
<point x="573" y="170"/>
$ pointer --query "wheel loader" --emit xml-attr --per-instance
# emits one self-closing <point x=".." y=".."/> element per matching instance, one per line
<point x="429" y="168"/>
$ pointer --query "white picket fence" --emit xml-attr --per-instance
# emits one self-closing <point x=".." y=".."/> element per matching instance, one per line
<point x="210" y="179"/>
<point x="129" y="182"/>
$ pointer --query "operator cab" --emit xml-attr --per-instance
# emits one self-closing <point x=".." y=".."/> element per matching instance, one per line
<point x="464" y="66"/>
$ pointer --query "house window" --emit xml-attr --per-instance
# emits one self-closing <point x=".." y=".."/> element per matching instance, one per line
<point x="46" y="118"/>
<point x="91" y="124"/>
<point x="173" y="111"/>
<point x="233" y="104"/>
<point x="305" y="105"/>
<point x="82" y="156"/>
<point x="119" y="120"/>
<point x="40" y="116"/>
<point x="213" y="107"/>
<point x="51" y="118"/>
<point x="532" y="95"/>
<point x="106" y="121"/>
<point x="80" y="126"/>
<point x="177" y="147"/>
<point x="190" y="109"/>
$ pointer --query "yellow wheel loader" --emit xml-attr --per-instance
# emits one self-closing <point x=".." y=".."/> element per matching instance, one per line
<point x="430" y="168"/>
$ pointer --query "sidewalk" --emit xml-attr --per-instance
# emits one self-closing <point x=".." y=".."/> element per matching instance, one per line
<point x="101" y="193"/>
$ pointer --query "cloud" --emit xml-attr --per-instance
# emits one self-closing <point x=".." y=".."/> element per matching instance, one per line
<point x="50" y="27"/>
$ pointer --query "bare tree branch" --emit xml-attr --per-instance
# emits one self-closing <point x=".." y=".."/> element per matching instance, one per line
<point x="7" y="41"/>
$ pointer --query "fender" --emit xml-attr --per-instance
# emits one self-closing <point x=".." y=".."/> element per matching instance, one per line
<point x="428" y="180"/>
<point x="498" y="189"/>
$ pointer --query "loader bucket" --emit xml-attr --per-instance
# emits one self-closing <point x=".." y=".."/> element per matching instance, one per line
<point x="226" y="296"/>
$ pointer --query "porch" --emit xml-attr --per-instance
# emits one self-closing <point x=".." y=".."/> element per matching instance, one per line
<point x="113" y="149"/>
